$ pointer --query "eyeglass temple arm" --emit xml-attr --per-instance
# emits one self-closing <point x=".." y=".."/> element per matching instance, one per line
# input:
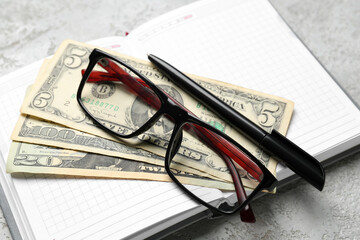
<point x="246" y="213"/>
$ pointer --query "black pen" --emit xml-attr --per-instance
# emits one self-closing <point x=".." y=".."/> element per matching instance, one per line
<point x="273" y="143"/>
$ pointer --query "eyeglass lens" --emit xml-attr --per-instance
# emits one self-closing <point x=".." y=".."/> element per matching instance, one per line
<point x="111" y="95"/>
<point x="210" y="148"/>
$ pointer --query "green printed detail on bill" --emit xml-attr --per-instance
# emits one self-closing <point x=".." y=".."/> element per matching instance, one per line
<point x="100" y="104"/>
<point x="96" y="102"/>
<point x="217" y="125"/>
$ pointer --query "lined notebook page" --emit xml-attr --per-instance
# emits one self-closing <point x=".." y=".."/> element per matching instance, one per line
<point x="246" y="42"/>
<point x="52" y="207"/>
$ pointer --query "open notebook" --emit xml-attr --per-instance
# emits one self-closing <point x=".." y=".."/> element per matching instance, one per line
<point x="243" y="42"/>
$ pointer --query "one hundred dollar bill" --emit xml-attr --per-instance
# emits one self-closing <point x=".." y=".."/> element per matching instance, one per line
<point x="53" y="97"/>
<point x="35" y="130"/>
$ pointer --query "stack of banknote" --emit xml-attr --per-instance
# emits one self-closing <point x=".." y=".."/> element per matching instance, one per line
<point x="54" y="136"/>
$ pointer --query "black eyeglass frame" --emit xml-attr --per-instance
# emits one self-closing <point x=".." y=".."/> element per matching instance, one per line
<point x="180" y="118"/>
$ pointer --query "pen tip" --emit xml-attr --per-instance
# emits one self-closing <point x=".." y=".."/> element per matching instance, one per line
<point x="149" y="56"/>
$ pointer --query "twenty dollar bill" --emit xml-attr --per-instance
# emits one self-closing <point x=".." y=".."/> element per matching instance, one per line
<point x="33" y="158"/>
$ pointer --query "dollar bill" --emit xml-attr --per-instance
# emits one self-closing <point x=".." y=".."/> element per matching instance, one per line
<point x="35" y="130"/>
<point x="38" y="131"/>
<point x="53" y="97"/>
<point x="39" y="159"/>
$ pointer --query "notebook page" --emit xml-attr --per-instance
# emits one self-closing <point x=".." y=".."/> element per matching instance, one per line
<point x="11" y="94"/>
<point x="73" y="208"/>
<point x="246" y="42"/>
<point x="51" y="207"/>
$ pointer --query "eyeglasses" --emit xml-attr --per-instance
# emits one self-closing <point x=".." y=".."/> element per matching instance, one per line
<point x="126" y="104"/>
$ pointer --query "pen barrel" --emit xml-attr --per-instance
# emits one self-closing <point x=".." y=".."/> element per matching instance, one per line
<point x="299" y="161"/>
<point x="236" y="119"/>
<point x="214" y="104"/>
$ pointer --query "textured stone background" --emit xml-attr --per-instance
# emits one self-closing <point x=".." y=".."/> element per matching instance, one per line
<point x="32" y="30"/>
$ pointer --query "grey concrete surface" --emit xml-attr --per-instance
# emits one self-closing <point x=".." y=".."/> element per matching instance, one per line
<point x="31" y="30"/>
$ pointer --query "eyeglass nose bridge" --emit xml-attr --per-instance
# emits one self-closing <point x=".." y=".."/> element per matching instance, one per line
<point x="176" y="112"/>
